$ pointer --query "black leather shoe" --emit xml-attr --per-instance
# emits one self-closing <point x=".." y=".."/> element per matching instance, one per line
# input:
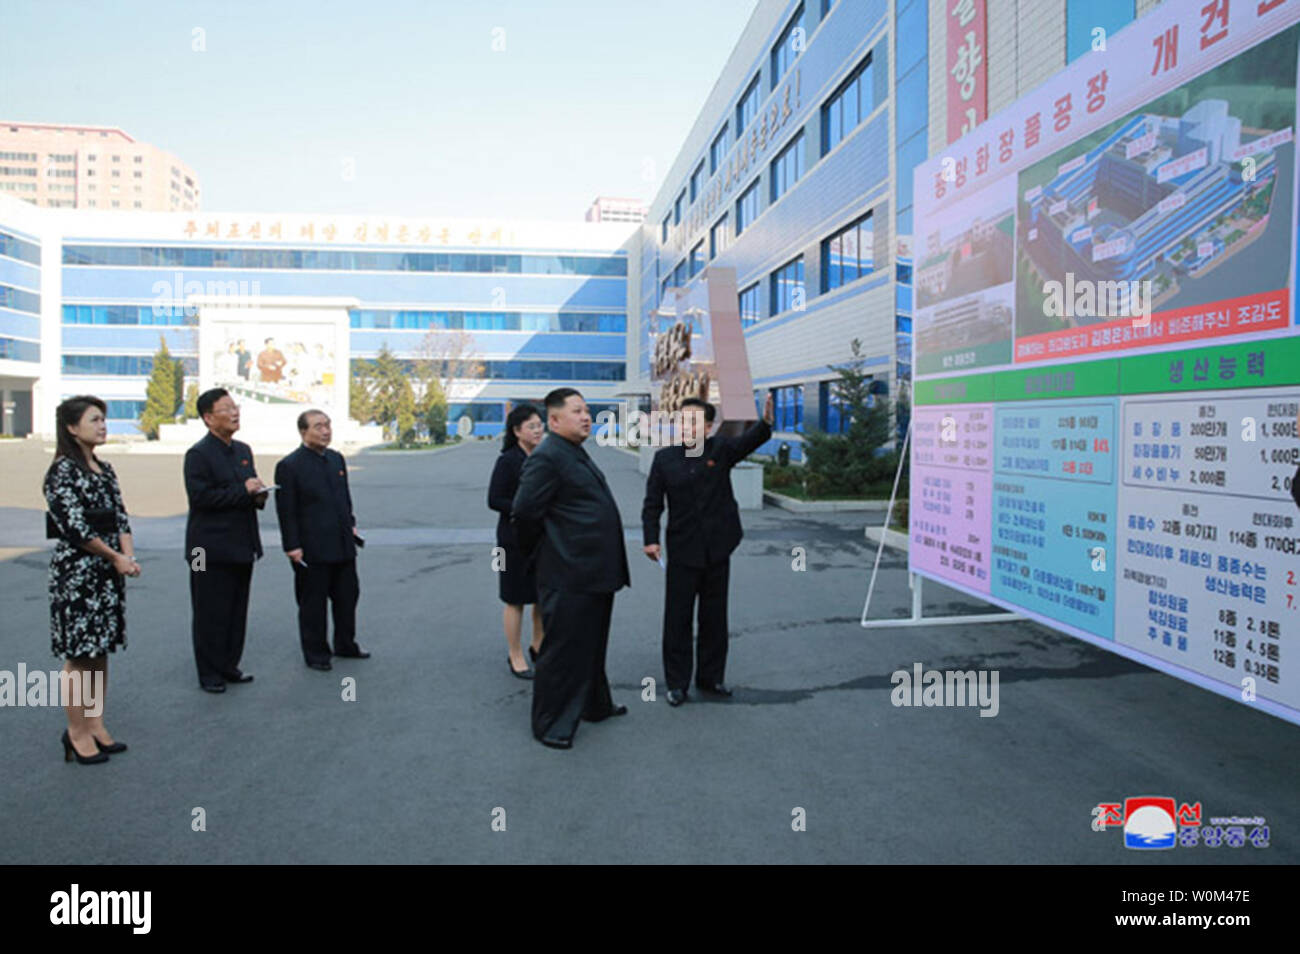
<point x="212" y="686"/>
<point x="113" y="749"/>
<point x="238" y="677"/>
<point x="322" y="666"/>
<point x="359" y="654"/>
<point x="676" y="697"/>
<point x="518" y="673"/>
<point x="556" y="743"/>
<point x="716" y="689"/>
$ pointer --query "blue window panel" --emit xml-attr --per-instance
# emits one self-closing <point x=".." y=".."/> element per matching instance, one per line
<point x="122" y="410"/>
<point x="718" y="238"/>
<point x="15" y="349"/>
<point x="679" y="274"/>
<point x="18" y="325"/>
<point x="847" y="107"/>
<point x="717" y="151"/>
<point x="663" y="229"/>
<point x="697" y="180"/>
<point x="788" y="46"/>
<point x="747" y="208"/>
<point x="751" y="305"/>
<point x="490" y="412"/>
<point x="848" y="254"/>
<point x="344" y="260"/>
<point x="787" y="167"/>
<point x="12" y="246"/>
<point x="910" y="155"/>
<point x="677" y="207"/>
<point x="903" y="298"/>
<point x="19" y="274"/>
<point x="697" y="258"/>
<point x="554" y="371"/>
<point x="788" y="287"/>
<point x="1083" y="16"/>
<point x="20" y="300"/>
<point x="787" y="406"/>
<point x="747" y="108"/>
<point x="913" y="102"/>
<point x="129" y="365"/>
<point x="911" y="39"/>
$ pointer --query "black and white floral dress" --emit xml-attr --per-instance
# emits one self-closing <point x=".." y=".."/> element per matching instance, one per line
<point x="87" y="595"/>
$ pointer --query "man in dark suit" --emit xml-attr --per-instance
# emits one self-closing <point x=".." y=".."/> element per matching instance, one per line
<point x="319" y="535"/>
<point x="703" y="530"/>
<point x="581" y="561"/>
<point x="221" y="540"/>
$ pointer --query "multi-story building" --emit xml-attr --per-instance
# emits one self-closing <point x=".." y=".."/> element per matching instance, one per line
<point x="85" y="299"/>
<point x="92" y="167"/>
<point x="612" y="209"/>
<point x="797" y="173"/>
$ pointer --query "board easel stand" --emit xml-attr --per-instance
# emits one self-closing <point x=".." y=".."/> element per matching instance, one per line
<point x="916" y="581"/>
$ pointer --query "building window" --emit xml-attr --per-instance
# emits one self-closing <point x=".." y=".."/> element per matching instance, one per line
<point x="747" y="108"/>
<point x="849" y="105"/>
<point x="847" y="255"/>
<point x="677" y="207"/>
<point x="679" y="274"/>
<point x="663" y="231"/>
<point x="787" y="287"/>
<point x="137" y="174"/>
<point x="787" y="405"/>
<point x="747" y="207"/>
<point x="788" y="46"/>
<point x="718" y="150"/>
<point x="835" y="418"/>
<point x="117" y="158"/>
<point x="697" y="180"/>
<point x="751" y="304"/>
<point x="697" y="258"/>
<point x="139" y="159"/>
<point x="117" y="173"/>
<point x="787" y="167"/>
<point x="827" y="5"/>
<point x="718" y="238"/>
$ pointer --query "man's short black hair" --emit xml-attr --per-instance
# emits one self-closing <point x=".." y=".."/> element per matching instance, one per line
<point x="209" y="398"/>
<point x="557" y="397"/>
<point x="303" y="418"/>
<point x="710" y="412"/>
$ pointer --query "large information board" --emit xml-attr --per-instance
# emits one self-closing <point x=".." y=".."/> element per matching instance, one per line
<point x="1105" y="351"/>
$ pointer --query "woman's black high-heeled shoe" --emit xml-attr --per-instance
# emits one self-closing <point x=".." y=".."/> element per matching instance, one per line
<point x="69" y="752"/>
<point x="525" y="674"/>
<point x="113" y="749"/>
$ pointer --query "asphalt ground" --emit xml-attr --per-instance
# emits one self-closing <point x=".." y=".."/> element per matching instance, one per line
<point x="437" y="744"/>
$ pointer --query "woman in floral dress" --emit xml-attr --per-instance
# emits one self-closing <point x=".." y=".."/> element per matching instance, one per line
<point x="93" y="556"/>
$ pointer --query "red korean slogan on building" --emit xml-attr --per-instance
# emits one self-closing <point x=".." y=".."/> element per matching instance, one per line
<point x="966" y="66"/>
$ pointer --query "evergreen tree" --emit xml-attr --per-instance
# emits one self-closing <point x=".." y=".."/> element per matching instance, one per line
<point x="162" y="394"/>
<point x="851" y="463"/>
<point x="192" y="401"/>
<point x="432" y="410"/>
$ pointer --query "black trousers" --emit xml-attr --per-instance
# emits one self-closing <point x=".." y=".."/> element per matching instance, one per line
<point x="686" y="585"/>
<point x="570" y="682"/>
<point x="313" y="585"/>
<point x="219" y="604"/>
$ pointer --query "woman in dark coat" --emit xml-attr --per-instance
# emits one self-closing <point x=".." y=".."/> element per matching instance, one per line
<point x="518" y="586"/>
<point x="91" y="560"/>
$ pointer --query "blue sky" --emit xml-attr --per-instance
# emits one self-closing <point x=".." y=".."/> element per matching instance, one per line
<point x="586" y="97"/>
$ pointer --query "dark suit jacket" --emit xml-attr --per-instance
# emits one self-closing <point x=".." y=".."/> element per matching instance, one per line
<point x="223" y="514"/>
<point x="315" y="506"/>
<point x="703" y="519"/>
<point x="501" y="492"/>
<point x="564" y="500"/>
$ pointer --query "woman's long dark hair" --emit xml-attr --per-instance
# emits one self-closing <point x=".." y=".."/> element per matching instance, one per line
<point x="519" y="414"/>
<point x="69" y="414"/>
